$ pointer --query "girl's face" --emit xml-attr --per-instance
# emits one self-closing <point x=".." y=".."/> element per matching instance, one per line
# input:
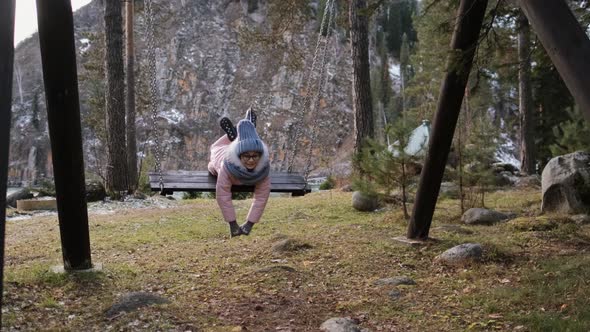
<point x="250" y="159"/>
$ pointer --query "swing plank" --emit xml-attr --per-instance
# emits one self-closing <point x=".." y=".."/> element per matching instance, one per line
<point x="202" y="181"/>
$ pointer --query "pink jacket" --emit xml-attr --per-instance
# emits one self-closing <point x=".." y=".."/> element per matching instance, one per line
<point x="225" y="180"/>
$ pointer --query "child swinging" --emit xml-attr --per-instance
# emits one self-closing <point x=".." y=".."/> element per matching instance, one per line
<point x="240" y="158"/>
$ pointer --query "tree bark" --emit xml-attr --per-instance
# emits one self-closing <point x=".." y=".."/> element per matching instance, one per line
<point x="527" y="145"/>
<point x="130" y="98"/>
<point x="7" y="9"/>
<point x="361" y="79"/>
<point x="116" y="172"/>
<point x="566" y="44"/>
<point x="463" y="45"/>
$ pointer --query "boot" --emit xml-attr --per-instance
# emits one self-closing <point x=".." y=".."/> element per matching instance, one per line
<point x="251" y="115"/>
<point x="234" y="229"/>
<point x="246" y="227"/>
<point x="229" y="128"/>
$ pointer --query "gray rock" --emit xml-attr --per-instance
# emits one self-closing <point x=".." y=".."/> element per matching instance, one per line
<point x="394" y="294"/>
<point x="479" y="216"/>
<point x="95" y="191"/>
<point x="504" y="167"/>
<point x="565" y="184"/>
<point x="22" y="193"/>
<point x="463" y="253"/>
<point x="339" y="324"/>
<point x="363" y="202"/>
<point x="581" y="219"/>
<point x="133" y="301"/>
<point x="394" y="281"/>
<point x="290" y="245"/>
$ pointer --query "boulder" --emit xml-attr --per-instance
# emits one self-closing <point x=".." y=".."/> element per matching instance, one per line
<point x="504" y="167"/>
<point x="290" y="245"/>
<point x="479" y="216"/>
<point x="364" y="202"/>
<point x="565" y="184"/>
<point x="133" y="301"/>
<point x="95" y="191"/>
<point x="19" y="194"/>
<point x="461" y="254"/>
<point x="339" y="324"/>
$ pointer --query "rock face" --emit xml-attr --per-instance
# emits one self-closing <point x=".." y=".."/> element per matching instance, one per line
<point x="565" y="184"/>
<point x="479" y="216"/>
<point x="363" y="202"/>
<point x="205" y="69"/>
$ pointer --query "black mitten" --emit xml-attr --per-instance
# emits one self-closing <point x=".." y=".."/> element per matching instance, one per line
<point x="246" y="227"/>
<point x="234" y="229"/>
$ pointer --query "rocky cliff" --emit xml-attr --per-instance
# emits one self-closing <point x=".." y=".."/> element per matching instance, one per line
<point x="205" y="69"/>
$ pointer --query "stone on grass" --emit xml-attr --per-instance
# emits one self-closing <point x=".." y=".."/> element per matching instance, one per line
<point x="364" y="202"/>
<point x="133" y="301"/>
<point x="581" y="219"/>
<point x="463" y="253"/>
<point x="340" y="324"/>
<point x="479" y="216"/>
<point x="290" y="245"/>
<point x="394" y="281"/>
<point x="394" y="294"/>
<point x="565" y="184"/>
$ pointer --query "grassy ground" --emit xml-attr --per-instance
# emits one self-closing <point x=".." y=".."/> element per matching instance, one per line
<point x="534" y="276"/>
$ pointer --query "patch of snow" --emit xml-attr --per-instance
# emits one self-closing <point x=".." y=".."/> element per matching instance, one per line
<point x="85" y="42"/>
<point x="173" y="116"/>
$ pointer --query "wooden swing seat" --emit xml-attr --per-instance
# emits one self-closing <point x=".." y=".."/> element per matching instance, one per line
<point x="203" y="181"/>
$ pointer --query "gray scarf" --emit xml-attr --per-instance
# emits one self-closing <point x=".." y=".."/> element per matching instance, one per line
<point x="245" y="176"/>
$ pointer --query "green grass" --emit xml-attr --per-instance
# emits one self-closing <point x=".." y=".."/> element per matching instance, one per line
<point x="533" y="277"/>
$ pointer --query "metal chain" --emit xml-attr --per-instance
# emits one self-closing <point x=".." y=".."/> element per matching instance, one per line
<point x="153" y="91"/>
<point x="311" y="78"/>
<point x="317" y="97"/>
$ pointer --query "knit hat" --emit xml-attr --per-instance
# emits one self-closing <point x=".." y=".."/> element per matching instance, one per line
<point x="248" y="139"/>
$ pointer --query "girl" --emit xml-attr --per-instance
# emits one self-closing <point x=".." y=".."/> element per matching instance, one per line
<point x="240" y="158"/>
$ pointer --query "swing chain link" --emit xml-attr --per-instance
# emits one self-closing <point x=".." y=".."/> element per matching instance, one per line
<point x="153" y="92"/>
<point x="321" y="85"/>
<point x="311" y="78"/>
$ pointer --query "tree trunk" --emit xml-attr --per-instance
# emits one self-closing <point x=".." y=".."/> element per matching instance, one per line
<point x="467" y="28"/>
<point x="130" y="99"/>
<point x="7" y="9"/>
<point x="361" y="79"/>
<point x="527" y="145"/>
<point x="566" y="44"/>
<point x="60" y="78"/>
<point x="116" y="172"/>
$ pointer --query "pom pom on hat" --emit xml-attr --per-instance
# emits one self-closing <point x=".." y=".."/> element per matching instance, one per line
<point x="248" y="139"/>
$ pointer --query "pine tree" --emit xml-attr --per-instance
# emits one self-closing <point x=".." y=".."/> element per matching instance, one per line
<point x="572" y="135"/>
